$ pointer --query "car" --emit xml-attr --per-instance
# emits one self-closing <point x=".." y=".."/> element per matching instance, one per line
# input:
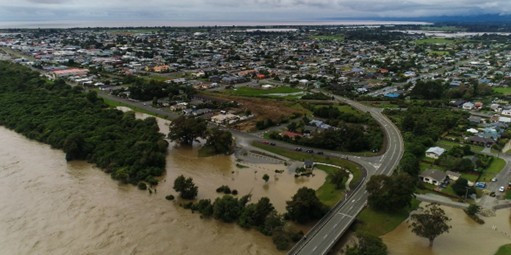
<point x="310" y="151"/>
<point x="494" y="179"/>
<point x="266" y="142"/>
<point x="480" y="185"/>
<point x="298" y="149"/>
<point x="493" y="194"/>
<point x="320" y="153"/>
<point x="272" y="144"/>
<point x="502" y="189"/>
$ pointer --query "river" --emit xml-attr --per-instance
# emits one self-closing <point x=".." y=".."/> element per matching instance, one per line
<point x="465" y="238"/>
<point x="49" y="206"/>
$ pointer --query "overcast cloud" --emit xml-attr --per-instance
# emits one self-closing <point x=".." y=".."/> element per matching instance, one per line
<point x="29" y="10"/>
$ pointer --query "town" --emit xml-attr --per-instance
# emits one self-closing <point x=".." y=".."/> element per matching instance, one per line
<point x="395" y="115"/>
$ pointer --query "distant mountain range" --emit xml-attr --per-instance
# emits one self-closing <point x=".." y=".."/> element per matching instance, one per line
<point x="469" y="19"/>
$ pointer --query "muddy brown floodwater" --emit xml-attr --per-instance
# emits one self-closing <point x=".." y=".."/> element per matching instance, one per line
<point x="49" y="206"/>
<point x="465" y="238"/>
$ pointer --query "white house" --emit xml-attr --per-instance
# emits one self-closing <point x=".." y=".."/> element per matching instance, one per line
<point x="434" y="177"/>
<point x="468" y="106"/>
<point x="435" y="152"/>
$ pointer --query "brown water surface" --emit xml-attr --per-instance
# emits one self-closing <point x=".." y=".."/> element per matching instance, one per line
<point x="465" y="238"/>
<point x="49" y="206"/>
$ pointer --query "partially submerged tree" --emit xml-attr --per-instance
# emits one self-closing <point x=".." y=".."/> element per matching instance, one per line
<point x="430" y="222"/>
<point x="185" y="130"/>
<point x="185" y="187"/>
<point x="368" y="245"/>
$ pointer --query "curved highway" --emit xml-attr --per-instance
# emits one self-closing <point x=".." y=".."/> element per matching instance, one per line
<point x="322" y="237"/>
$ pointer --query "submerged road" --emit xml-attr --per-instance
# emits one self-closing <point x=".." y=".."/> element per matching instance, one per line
<point x="325" y="234"/>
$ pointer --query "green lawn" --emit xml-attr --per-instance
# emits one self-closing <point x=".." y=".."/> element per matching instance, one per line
<point x="327" y="193"/>
<point x="278" y="92"/>
<point x="114" y="104"/>
<point x="503" y="90"/>
<point x="448" y="145"/>
<point x="302" y="156"/>
<point x="379" y="223"/>
<point x="504" y="250"/>
<point x="435" y="40"/>
<point x="348" y="109"/>
<point x="439" y="52"/>
<point x="495" y="167"/>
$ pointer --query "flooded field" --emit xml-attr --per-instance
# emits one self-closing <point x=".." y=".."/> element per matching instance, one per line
<point x="49" y="206"/>
<point x="465" y="238"/>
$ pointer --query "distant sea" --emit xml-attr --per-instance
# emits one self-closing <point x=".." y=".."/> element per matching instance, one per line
<point x="152" y="23"/>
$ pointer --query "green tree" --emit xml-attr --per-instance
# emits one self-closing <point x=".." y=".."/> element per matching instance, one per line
<point x="185" y="187"/>
<point x="465" y="165"/>
<point x="185" y="130"/>
<point x="390" y="193"/>
<point x="219" y="141"/>
<point x="430" y="222"/>
<point x="74" y="147"/>
<point x="473" y="209"/>
<point x="227" y="208"/>
<point x="338" y="178"/>
<point x="368" y="245"/>
<point x="305" y="206"/>
<point x="266" y="178"/>
<point x="460" y="187"/>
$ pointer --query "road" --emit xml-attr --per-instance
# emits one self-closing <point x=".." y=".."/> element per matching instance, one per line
<point x="322" y="237"/>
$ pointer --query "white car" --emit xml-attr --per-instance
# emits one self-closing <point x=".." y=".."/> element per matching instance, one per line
<point x="501" y="189"/>
<point x="494" y="179"/>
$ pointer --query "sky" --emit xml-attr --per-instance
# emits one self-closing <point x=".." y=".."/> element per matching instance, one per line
<point x="257" y="10"/>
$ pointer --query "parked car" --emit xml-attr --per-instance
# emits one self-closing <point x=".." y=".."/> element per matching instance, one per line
<point x="266" y="142"/>
<point x="502" y="189"/>
<point x="494" y="179"/>
<point x="493" y="194"/>
<point x="320" y="153"/>
<point x="310" y="151"/>
<point x="298" y="149"/>
<point x="272" y="144"/>
<point x="480" y="185"/>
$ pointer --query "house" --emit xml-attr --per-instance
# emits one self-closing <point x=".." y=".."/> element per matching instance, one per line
<point x="468" y="106"/>
<point x="475" y="119"/>
<point x="227" y="118"/>
<point x="308" y="164"/>
<point x="481" y="141"/>
<point x="290" y="134"/>
<point x="435" y="152"/>
<point x="434" y="177"/>
<point x="454" y="176"/>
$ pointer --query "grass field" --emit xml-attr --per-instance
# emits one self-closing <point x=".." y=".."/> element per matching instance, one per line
<point x="495" y="167"/>
<point x="379" y="223"/>
<point x="327" y="193"/>
<point x="348" y="109"/>
<point x="504" y="250"/>
<point x="434" y="40"/>
<point x="278" y="92"/>
<point x="503" y="90"/>
<point x="115" y="104"/>
<point x="439" y="52"/>
<point x="448" y="145"/>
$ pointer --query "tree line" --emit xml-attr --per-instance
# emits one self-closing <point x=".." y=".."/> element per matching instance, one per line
<point x="81" y="124"/>
<point x="304" y="207"/>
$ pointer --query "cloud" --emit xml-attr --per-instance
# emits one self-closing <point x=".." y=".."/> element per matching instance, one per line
<point x="242" y="9"/>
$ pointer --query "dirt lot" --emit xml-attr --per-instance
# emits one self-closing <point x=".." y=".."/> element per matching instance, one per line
<point x="273" y="109"/>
